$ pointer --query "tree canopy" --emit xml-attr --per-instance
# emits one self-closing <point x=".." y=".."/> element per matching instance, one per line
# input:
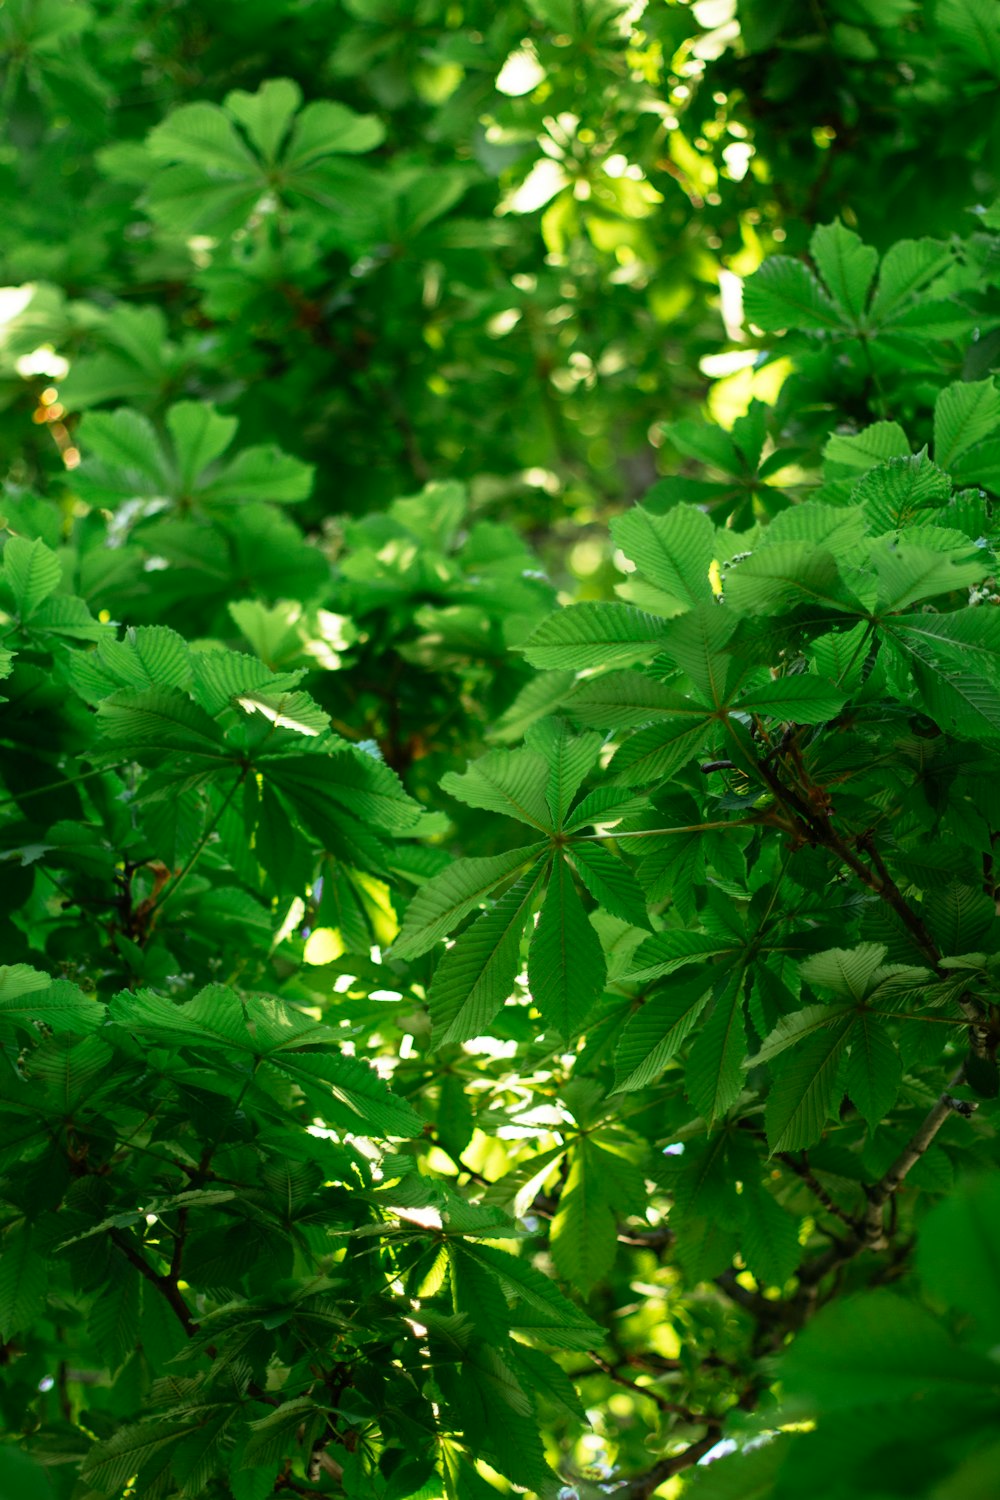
<point x="499" y="752"/>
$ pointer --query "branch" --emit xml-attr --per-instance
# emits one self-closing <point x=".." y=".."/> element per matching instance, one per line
<point x="613" y="1373"/>
<point x="645" y="1485"/>
<point x="164" y="1285"/>
<point x="873" y="1231"/>
<point x="803" y="1170"/>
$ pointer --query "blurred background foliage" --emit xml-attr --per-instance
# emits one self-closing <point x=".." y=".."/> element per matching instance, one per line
<point x="534" y="268"/>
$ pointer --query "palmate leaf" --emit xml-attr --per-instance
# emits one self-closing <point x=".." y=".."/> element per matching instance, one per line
<point x="506" y="781"/>
<point x="805" y="1090"/>
<point x="547" y="1313"/>
<point x="657" y="1031"/>
<point x="476" y="976"/>
<point x="800" y="699"/>
<point x="713" y="1077"/>
<point x="111" y="1464"/>
<point x="673" y="551"/>
<point x="23" y="1280"/>
<point x="566" y="966"/>
<point x="964" y="414"/>
<point x="769" y="1239"/>
<point x="594" y="635"/>
<point x="881" y="1348"/>
<point x="31" y="572"/>
<point x="874" y="1070"/>
<point x="622" y="700"/>
<point x="600" y="1185"/>
<point x="570" y="759"/>
<point x="441" y="904"/>
<point x="611" y="883"/>
<point x="124" y="459"/>
<point x="909" y="571"/>
<point x="787" y="575"/>
<point x="347" y="1090"/>
<point x="846" y="265"/>
<point x="656" y="753"/>
<point x="784" y="293"/>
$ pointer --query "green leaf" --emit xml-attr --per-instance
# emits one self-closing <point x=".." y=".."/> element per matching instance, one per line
<point x="55" y="1004"/>
<point x="846" y="971"/>
<point x="770" y="1238"/>
<point x="953" y="659"/>
<point x="476" y="976"/>
<point x="202" y="136"/>
<point x="255" y="474"/>
<point x="845" y="264"/>
<point x="901" y="492"/>
<point x="964" y="414"/>
<point x="880" y="1349"/>
<point x="566" y="967"/>
<point x="874" y="1071"/>
<point x="23" y="1281"/>
<point x="908" y="572"/>
<point x="958" y="1252"/>
<point x="594" y="635"/>
<point x="570" y="759"/>
<point x="622" y="700"/>
<point x="200" y="436"/>
<point x="792" y="1028"/>
<point x="111" y="1464"/>
<point x="972" y="26"/>
<point x="542" y="1309"/>
<point x="800" y="699"/>
<point x="666" y="951"/>
<point x="160" y="719"/>
<point x="114" y="1318"/>
<point x="441" y="904"/>
<point x="266" y="115"/>
<point x="854" y="454"/>
<point x="713" y="1077"/>
<point x="331" y="1079"/>
<point x="611" y="883"/>
<point x="31" y="572"/>
<point x="506" y="781"/>
<point x="784" y="293"/>
<point x="656" y="753"/>
<point x="657" y="1030"/>
<point x="584" y="1230"/>
<point x="673" y="551"/>
<point x="907" y="267"/>
<point x="788" y="575"/>
<point x="805" y="1091"/>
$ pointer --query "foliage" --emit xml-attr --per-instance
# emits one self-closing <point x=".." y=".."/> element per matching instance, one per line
<point x="501" y="971"/>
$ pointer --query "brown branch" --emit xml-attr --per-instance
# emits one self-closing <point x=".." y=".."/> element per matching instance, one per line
<point x="614" y="1373"/>
<point x="802" y="1169"/>
<point x="874" y="1236"/>
<point x="167" y="1288"/>
<point x="645" y="1485"/>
